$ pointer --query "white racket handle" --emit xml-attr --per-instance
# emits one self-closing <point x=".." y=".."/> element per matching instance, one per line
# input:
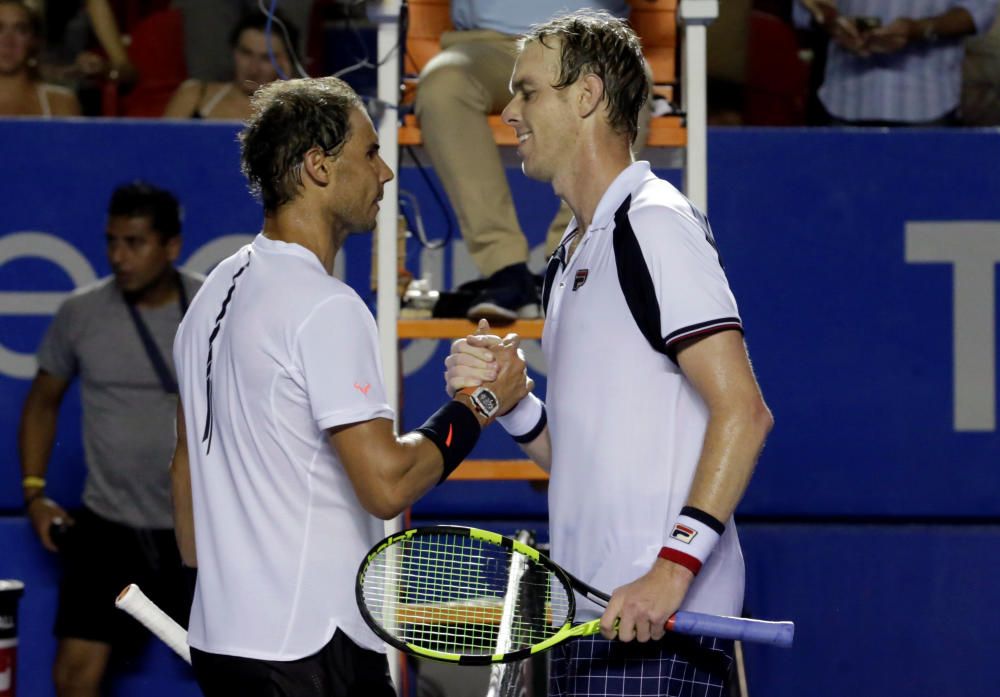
<point x="133" y="601"/>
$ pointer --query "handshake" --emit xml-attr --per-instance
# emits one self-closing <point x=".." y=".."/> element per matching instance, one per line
<point x="484" y="359"/>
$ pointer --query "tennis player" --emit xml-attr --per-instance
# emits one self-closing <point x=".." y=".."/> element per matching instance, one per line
<point x="286" y="454"/>
<point x="654" y="419"/>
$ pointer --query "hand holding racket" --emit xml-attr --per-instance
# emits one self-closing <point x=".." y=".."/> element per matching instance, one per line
<point x="641" y="609"/>
<point x="470" y="596"/>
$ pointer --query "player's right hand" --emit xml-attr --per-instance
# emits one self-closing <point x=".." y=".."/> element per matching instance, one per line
<point x="512" y="383"/>
<point x="43" y="513"/>
<point x="471" y="361"/>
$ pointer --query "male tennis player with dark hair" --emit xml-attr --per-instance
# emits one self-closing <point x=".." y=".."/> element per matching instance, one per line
<point x="116" y="336"/>
<point x="654" y="419"/>
<point x="285" y="437"/>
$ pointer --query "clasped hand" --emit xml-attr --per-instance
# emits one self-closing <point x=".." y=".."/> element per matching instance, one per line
<point x="486" y="359"/>
<point x="845" y="32"/>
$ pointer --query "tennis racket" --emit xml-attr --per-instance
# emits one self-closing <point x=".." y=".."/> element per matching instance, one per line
<point x="136" y="603"/>
<point x="469" y="596"/>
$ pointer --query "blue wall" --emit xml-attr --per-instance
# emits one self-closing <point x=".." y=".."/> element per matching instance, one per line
<point x="874" y="518"/>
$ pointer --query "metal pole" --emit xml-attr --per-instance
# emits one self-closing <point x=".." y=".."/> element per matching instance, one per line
<point x="696" y="16"/>
<point x="386" y="14"/>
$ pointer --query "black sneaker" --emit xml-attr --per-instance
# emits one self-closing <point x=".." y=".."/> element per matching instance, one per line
<point x="509" y="294"/>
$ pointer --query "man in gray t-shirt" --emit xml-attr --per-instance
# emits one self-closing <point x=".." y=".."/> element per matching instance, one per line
<point x="116" y="337"/>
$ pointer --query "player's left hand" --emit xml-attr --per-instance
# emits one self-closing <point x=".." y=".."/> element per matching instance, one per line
<point x="893" y="37"/>
<point x="643" y="607"/>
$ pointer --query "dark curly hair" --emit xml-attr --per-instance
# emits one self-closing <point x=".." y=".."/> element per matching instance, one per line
<point x="290" y="118"/>
<point x="597" y="42"/>
<point x="141" y="199"/>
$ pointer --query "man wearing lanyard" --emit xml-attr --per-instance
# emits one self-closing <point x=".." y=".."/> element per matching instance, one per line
<point x="116" y="337"/>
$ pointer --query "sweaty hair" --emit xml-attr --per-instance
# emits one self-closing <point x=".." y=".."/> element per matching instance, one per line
<point x="142" y="200"/>
<point x="597" y="42"/>
<point x="258" y="20"/>
<point x="290" y="118"/>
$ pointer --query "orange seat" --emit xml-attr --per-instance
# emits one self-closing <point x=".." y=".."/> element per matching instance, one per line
<point x="655" y="21"/>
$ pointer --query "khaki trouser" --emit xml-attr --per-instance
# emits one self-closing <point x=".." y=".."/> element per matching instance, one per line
<point x="458" y="88"/>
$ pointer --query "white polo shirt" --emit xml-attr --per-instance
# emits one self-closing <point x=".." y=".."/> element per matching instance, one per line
<point x="271" y="353"/>
<point x="627" y="427"/>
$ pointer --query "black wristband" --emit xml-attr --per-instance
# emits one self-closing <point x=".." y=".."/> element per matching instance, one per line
<point x="705" y="518"/>
<point x="454" y="429"/>
<point x="535" y="431"/>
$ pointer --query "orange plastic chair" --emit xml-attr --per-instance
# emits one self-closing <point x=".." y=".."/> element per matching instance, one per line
<point x="655" y="21"/>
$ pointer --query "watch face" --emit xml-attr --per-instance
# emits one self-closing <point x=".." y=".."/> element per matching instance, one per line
<point x="486" y="401"/>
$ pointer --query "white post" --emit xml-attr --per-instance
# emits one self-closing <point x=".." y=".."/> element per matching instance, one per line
<point x="386" y="14"/>
<point x="696" y="16"/>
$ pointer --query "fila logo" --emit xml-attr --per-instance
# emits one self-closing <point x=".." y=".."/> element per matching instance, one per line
<point x="581" y="278"/>
<point x="363" y="389"/>
<point x="682" y="533"/>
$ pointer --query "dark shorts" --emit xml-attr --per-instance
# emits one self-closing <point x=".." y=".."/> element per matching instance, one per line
<point x="99" y="559"/>
<point x="339" y="669"/>
<point x="678" y="666"/>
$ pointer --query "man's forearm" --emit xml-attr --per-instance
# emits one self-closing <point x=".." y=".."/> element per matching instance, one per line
<point x="540" y="450"/>
<point x="955" y="23"/>
<point x="733" y="441"/>
<point x="36" y="437"/>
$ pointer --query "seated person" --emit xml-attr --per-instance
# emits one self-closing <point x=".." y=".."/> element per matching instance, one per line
<point x="884" y="69"/>
<point x="22" y="93"/>
<point x="468" y="80"/>
<point x="253" y="67"/>
<point x="209" y="59"/>
<point x="117" y="65"/>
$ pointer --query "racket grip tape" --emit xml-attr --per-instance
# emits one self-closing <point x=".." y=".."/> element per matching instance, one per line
<point x="735" y="628"/>
<point x="133" y="601"/>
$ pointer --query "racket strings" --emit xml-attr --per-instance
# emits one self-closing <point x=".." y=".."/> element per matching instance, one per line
<point x="458" y="594"/>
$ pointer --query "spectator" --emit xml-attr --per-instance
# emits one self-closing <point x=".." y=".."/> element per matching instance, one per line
<point x="981" y="80"/>
<point x="459" y="87"/>
<point x="116" y="336"/>
<point x="253" y="68"/>
<point x="208" y="58"/>
<point x="85" y="46"/>
<point x="895" y="63"/>
<point x="115" y="64"/>
<point x="22" y="93"/>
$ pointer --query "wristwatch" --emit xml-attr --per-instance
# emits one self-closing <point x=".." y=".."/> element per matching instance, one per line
<point x="485" y="402"/>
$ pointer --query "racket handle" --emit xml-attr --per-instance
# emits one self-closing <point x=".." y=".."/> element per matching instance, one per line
<point x="133" y="601"/>
<point x="736" y="628"/>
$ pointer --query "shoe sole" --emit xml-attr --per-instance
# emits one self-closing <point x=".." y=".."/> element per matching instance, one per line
<point x="498" y="314"/>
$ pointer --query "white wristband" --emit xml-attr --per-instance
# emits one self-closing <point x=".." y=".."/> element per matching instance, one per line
<point x="523" y="418"/>
<point x="690" y="543"/>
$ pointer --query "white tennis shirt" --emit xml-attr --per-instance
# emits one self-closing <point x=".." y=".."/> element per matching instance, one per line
<point x="279" y="530"/>
<point x="627" y="427"/>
